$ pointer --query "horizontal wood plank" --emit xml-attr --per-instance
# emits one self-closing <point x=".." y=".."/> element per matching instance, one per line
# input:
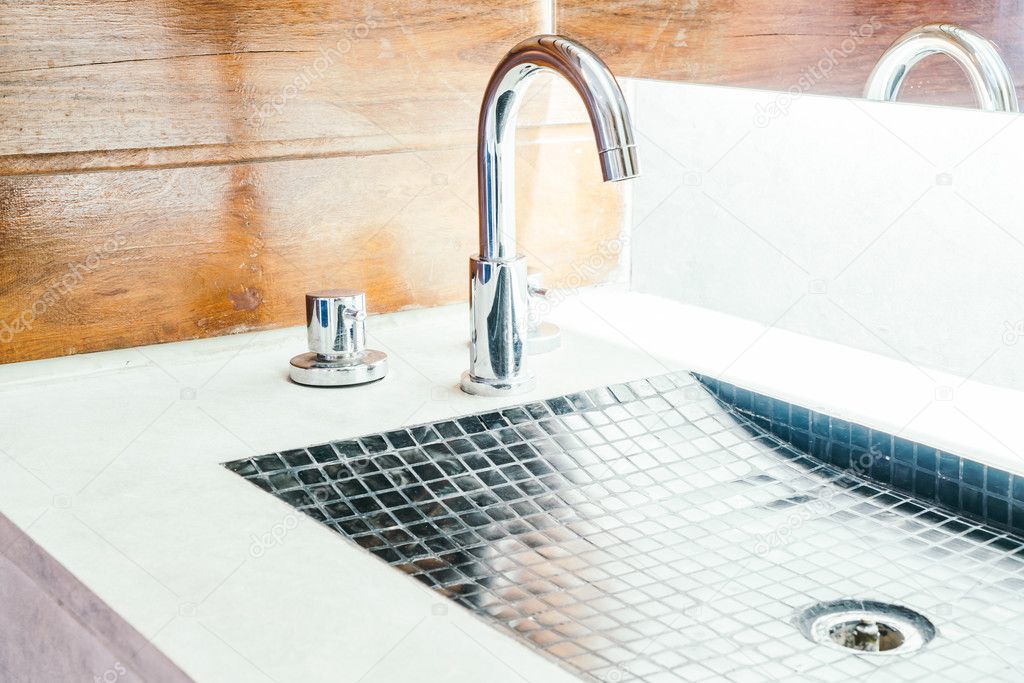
<point x="171" y="171"/>
<point x="115" y="75"/>
<point x="121" y="258"/>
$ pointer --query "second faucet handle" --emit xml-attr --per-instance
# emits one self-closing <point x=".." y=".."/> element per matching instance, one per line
<point x="336" y="322"/>
<point x="336" y="330"/>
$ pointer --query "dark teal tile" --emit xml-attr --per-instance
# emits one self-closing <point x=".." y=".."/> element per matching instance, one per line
<point x="1017" y="517"/>
<point x="840" y="455"/>
<point x="1017" y="487"/>
<point x="860" y="437"/>
<point x="948" y="493"/>
<point x="902" y="477"/>
<point x="820" y="424"/>
<point x="997" y="481"/>
<point x="881" y="469"/>
<point x="997" y="510"/>
<point x="743" y="399"/>
<point x="924" y="484"/>
<point x="780" y="412"/>
<point x="949" y="466"/>
<point x="881" y="443"/>
<point x="840" y="430"/>
<point x="927" y="459"/>
<point x="800" y="418"/>
<point x="972" y="501"/>
<point x="973" y="473"/>
<point x="903" y="450"/>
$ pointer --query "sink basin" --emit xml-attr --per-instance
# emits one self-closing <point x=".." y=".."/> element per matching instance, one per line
<point x="654" y="531"/>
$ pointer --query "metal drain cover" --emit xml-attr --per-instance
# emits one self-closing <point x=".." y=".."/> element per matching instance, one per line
<point x="865" y="627"/>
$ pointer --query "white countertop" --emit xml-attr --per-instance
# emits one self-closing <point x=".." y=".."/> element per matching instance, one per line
<point x="110" y="462"/>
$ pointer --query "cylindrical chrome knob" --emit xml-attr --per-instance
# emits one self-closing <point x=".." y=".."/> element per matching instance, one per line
<point x="336" y="322"/>
<point x="336" y="330"/>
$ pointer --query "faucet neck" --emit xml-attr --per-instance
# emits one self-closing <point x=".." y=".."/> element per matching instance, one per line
<point x="496" y="144"/>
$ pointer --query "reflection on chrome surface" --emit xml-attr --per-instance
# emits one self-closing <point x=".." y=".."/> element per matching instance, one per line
<point x="647" y="532"/>
<point x="978" y="57"/>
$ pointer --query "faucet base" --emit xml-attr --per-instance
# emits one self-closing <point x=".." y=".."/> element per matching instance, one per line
<point x="479" y="386"/>
<point x="499" y="315"/>
<point x="315" y="370"/>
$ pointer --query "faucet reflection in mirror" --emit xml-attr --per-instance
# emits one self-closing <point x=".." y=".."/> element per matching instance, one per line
<point x="978" y="57"/>
<point x="498" y="276"/>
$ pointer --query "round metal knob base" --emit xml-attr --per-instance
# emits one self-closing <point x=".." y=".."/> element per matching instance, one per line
<point x="497" y="387"/>
<point x="314" y="370"/>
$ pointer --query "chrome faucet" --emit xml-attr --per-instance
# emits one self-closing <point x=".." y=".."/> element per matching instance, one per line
<point x="498" y="277"/>
<point x="978" y="57"/>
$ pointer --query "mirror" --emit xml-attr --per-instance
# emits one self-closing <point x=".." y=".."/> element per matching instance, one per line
<point x="800" y="47"/>
<point x="892" y="229"/>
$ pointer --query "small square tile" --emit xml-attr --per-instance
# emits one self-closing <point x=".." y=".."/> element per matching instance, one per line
<point x="1017" y="487"/>
<point x="800" y="418"/>
<point x="949" y="493"/>
<point x="296" y="458"/>
<point x="997" y="481"/>
<point x="840" y="430"/>
<point x="820" y="425"/>
<point x="1017" y="517"/>
<point x="927" y="459"/>
<point x="972" y="501"/>
<point x="860" y="437"/>
<point x="840" y="455"/>
<point x="269" y="463"/>
<point x="881" y="469"/>
<point x="903" y="450"/>
<point x="400" y="439"/>
<point x="323" y="453"/>
<point x="949" y="466"/>
<point x="902" y="477"/>
<point x="743" y="399"/>
<point x="924" y="484"/>
<point x="881" y="443"/>
<point x="973" y="473"/>
<point x="997" y="510"/>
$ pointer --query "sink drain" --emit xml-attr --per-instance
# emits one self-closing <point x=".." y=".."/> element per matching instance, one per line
<point x="865" y="626"/>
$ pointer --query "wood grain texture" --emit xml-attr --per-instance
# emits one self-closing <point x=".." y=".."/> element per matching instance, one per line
<point x="116" y="75"/>
<point x="826" y="48"/>
<point x="180" y="169"/>
<point x="122" y="258"/>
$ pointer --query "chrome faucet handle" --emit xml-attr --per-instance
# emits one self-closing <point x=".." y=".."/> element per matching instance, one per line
<point x="541" y="337"/>
<point x="336" y="330"/>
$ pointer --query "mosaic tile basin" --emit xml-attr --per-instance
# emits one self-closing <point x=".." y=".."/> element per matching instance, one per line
<point x="661" y="531"/>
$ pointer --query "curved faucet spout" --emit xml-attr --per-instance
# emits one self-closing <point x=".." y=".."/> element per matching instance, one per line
<point x="498" y="295"/>
<point x="496" y="148"/>
<point x="978" y="57"/>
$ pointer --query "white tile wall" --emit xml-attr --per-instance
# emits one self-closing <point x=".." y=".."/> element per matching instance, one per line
<point x="892" y="228"/>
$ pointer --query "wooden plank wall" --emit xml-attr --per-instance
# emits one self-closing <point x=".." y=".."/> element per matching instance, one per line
<point x="180" y="169"/>
<point x="825" y="48"/>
